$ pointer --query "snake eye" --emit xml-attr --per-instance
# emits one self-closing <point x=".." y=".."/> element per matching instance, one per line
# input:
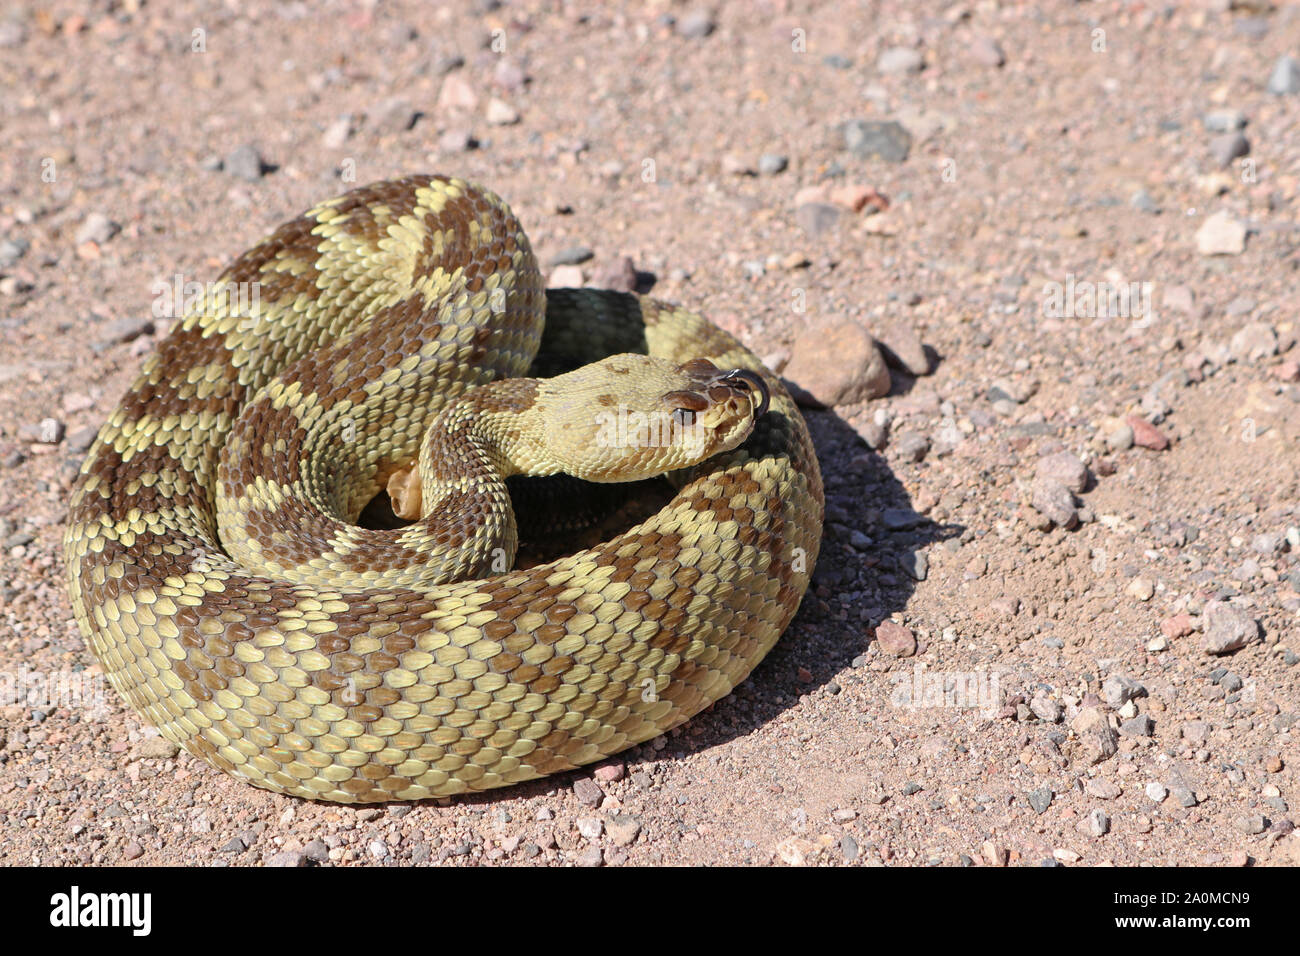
<point x="686" y="401"/>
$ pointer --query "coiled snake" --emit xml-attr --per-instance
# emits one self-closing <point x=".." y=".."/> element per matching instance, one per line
<point x="218" y="572"/>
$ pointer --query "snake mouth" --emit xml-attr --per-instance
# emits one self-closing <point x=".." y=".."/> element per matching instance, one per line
<point x="754" y="383"/>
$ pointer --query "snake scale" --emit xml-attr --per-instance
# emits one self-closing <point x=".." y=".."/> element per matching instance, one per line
<point x="220" y="577"/>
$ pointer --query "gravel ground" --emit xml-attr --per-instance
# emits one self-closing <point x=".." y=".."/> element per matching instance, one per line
<point x="1033" y="263"/>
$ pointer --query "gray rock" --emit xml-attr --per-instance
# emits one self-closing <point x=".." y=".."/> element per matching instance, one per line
<point x="696" y="25"/>
<point x="509" y="75"/>
<point x="1196" y="732"/>
<point x="446" y="63"/>
<point x="235" y="844"/>
<point x="458" y="140"/>
<point x="848" y="848"/>
<point x="572" y="256"/>
<point x="588" y="792"/>
<point x="96" y="228"/>
<point x="898" y="519"/>
<point x="912" y="446"/>
<point x="1285" y="78"/>
<point x="1184" y="796"/>
<point x="1253" y="342"/>
<point x="81" y="439"/>
<point x="288" y="858"/>
<point x="1065" y="468"/>
<point x="245" y="162"/>
<point x="1140" y="726"/>
<point x="817" y="218"/>
<point x="622" y="828"/>
<point x="886" y="140"/>
<point x="1117" y="690"/>
<point x="1096" y="823"/>
<point x="1143" y="201"/>
<point x="12" y="33"/>
<point x="1040" y="799"/>
<point x="1249" y="823"/>
<point x="391" y="116"/>
<point x="1156" y="792"/>
<point x="915" y="565"/>
<point x="1224" y="120"/>
<point x="1053" y="501"/>
<point x="1228" y="628"/>
<point x="1269" y="544"/>
<point x="1121" y="439"/>
<point x="987" y="51"/>
<point x="1045" y="708"/>
<point x="11" y="250"/>
<point x="1229" y="147"/>
<point x="903" y="348"/>
<point x="618" y="274"/>
<point x="124" y="330"/>
<point x="317" y="852"/>
<point x="48" y="431"/>
<point x="769" y="164"/>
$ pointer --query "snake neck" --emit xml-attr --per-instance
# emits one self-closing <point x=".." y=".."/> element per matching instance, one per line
<point x="473" y="446"/>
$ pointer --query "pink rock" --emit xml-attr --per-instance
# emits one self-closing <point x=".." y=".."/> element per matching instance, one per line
<point x="810" y="194"/>
<point x="1180" y="625"/>
<point x="837" y="363"/>
<point x="1146" y="435"/>
<point x="566" y="277"/>
<point x="608" y="773"/>
<point x="895" y="639"/>
<point x="457" y="94"/>
<point x="1005" y="607"/>
<point x="1288" y="371"/>
<point x="857" y="197"/>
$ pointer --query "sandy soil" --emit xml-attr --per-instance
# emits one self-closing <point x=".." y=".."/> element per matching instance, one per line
<point x="1045" y="148"/>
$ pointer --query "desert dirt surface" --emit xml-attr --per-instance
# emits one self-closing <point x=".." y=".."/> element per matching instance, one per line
<point x="1056" y="617"/>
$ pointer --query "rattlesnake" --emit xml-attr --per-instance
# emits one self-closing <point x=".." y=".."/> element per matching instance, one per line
<point x="218" y="573"/>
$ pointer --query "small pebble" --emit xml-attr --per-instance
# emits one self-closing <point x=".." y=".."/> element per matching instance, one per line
<point x="245" y="162"/>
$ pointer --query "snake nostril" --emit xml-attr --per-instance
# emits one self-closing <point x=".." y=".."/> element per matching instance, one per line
<point x="751" y="380"/>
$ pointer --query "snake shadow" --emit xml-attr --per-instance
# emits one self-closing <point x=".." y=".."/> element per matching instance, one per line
<point x="856" y="584"/>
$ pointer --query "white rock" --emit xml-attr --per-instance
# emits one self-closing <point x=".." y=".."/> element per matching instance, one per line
<point x="1221" y="235"/>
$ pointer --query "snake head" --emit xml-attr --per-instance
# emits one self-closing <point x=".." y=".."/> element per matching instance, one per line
<point x="630" y="416"/>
